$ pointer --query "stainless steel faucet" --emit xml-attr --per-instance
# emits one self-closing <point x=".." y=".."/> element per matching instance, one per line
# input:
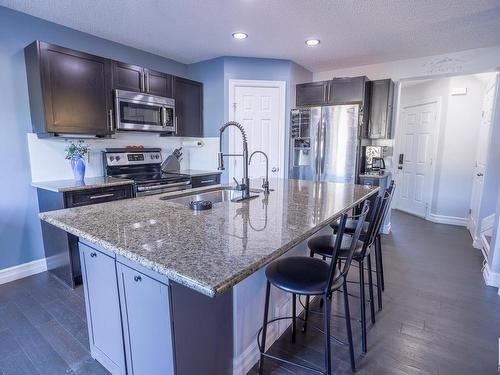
<point x="265" y="182"/>
<point x="244" y="187"/>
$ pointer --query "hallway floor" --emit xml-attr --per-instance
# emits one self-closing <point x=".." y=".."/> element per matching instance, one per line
<point x="438" y="317"/>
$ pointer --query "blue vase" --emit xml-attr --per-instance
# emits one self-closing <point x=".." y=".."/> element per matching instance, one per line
<point x="78" y="166"/>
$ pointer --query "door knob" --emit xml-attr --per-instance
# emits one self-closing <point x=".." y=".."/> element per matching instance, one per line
<point x="479" y="175"/>
<point x="274" y="169"/>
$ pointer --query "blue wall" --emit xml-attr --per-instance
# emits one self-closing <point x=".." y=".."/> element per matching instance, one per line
<point x="20" y="234"/>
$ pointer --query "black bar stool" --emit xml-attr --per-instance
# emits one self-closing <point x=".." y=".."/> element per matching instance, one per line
<point x="325" y="245"/>
<point x="309" y="276"/>
<point x="351" y="223"/>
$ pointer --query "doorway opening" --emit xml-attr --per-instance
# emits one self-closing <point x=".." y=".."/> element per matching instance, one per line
<point x="441" y="148"/>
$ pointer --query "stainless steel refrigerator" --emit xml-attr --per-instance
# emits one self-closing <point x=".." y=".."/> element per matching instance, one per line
<point x="324" y="143"/>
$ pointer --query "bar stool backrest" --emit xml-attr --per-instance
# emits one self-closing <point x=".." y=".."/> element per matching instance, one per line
<point x="369" y="237"/>
<point x="338" y="242"/>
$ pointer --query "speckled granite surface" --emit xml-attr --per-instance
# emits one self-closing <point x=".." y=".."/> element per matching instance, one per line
<point x="210" y="251"/>
<point x="62" y="186"/>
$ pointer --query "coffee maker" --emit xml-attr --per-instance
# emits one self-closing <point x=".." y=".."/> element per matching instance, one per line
<point x="373" y="160"/>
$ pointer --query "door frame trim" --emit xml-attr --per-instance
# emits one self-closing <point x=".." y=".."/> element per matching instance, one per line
<point x="281" y="85"/>
<point x="434" y="152"/>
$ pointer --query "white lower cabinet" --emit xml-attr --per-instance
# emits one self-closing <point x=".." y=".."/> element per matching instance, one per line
<point x="146" y="323"/>
<point x="128" y="315"/>
<point x="103" y="309"/>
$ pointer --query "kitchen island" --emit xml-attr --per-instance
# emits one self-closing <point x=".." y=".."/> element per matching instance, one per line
<point x="182" y="290"/>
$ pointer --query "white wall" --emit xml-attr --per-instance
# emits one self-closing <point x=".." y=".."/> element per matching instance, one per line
<point x="463" y="62"/>
<point x="47" y="160"/>
<point x="457" y="138"/>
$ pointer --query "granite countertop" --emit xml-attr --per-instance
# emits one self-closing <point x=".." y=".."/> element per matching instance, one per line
<point x="197" y="173"/>
<point x="211" y="251"/>
<point x="62" y="186"/>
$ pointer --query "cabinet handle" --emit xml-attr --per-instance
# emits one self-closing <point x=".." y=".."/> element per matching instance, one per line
<point x="325" y="93"/>
<point x="93" y="255"/>
<point x="147" y="81"/>
<point x="175" y="125"/>
<point x="137" y="278"/>
<point x="110" y="119"/>
<point x="102" y="196"/>
<point x="142" y="81"/>
<point x="206" y="181"/>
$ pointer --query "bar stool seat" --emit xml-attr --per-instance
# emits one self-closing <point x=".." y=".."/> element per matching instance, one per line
<point x="325" y="244"/>
<point x="302" y="275"/>
<point x="350" y="226"/>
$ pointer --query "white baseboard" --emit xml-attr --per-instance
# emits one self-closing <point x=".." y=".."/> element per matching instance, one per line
<point x="22" y="270"/>
<point x="450" y="220"/>
<point x="491" y="278"/>
<point x="251" y="355"/>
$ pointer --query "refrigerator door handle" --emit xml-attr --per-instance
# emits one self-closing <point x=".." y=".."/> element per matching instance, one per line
<point x="322" y="148"/>
<point x="317" y="152"/>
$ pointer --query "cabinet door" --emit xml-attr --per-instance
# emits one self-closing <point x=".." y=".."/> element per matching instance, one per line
<point x="145" y="305"/>
<point x="158" y="83"/>
<point x="103" y="309"/>
<point x="347" y="90"/>
<point x="312" y="94"/>
<point x="188" y="97"/>
<point x="76" y="91"/>
<point x="128" y="77"/>
<point x="379" y="121"/>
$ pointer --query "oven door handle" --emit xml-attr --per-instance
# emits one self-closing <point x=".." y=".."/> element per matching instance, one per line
<point x="158" y="187"/>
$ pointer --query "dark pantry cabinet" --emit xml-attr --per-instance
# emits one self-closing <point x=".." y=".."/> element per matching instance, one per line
<point x="188" y="97"/>
<point x="136" y="78"/>
<point x="380" y="116"/>
<point x="69" y="91"/>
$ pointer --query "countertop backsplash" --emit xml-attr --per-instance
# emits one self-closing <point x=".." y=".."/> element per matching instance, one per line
<point x="47" y="160"/>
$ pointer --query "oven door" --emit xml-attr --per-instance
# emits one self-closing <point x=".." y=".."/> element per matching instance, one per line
<point x="150" y="189"/>
<point x="143" y="112"/>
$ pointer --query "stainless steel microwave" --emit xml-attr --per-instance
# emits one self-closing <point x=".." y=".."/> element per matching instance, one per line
<point x="136" y="111"/>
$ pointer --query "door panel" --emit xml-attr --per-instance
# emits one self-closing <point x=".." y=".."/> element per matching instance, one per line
<point x="339" y="140"/>
<point x="101" y="292"/>
<point x="147" y="325"/>
<point x="188" y="97"/>
<point x="159" y="83"/>
<point x="258" y="110"/>
<point x="127" y="77"/>
<point x="416" y="143"/>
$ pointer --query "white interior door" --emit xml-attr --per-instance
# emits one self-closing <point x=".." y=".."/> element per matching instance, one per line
<point x="259" y="107"/>
<point x="415" y="149"/>
<point x="481" y="157"/>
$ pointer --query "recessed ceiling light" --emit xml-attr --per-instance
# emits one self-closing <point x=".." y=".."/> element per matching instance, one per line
<point x="312" y="42"/>
<point x="240" y="35"/>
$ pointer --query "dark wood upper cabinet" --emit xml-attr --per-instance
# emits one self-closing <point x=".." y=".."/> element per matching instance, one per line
<point x="158" y="83"/>
<point x="347" y="90"/>
<point x="380" y="115"/>
<point x="69" y="91"/>
<point x="312" y="94"/>
<point x="136" y="78"/>
<point x="127" y="77"/>
<point x="188" y="97"/>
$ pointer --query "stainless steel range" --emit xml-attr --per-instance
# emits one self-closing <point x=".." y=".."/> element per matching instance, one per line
<point x="144" y="167"/>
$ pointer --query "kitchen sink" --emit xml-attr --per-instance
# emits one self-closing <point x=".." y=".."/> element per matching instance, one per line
<point x="214" y="196"/>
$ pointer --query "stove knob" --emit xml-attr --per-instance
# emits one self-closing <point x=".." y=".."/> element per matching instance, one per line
<point x="117" y="158"/>
<point x="157" y="156"/>
<point x="111" y="158"/>
<point x="152" y="156"/>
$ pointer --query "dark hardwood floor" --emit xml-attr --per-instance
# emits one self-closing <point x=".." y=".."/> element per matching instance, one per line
<point x="438" y="316"/>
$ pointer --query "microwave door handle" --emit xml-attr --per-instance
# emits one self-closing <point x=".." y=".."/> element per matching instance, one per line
<point x="163" y="116"/>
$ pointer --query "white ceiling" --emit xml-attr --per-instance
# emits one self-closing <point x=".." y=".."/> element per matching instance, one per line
<point x="352" y="32"/>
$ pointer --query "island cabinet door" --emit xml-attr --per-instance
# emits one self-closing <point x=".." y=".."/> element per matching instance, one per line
<point x="103" y="309"/>
<point x="146" y="323"/>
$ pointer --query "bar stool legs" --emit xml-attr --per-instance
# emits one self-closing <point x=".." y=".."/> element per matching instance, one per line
<point x="363" y="305"/>
<point x="378" y="249"/>
<point x="370" y="286"/>
<point x="328" y="358"/>
<point x="294" y="316"/>
<point x="264" y="329"/>
<point x="348" y="325"/>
